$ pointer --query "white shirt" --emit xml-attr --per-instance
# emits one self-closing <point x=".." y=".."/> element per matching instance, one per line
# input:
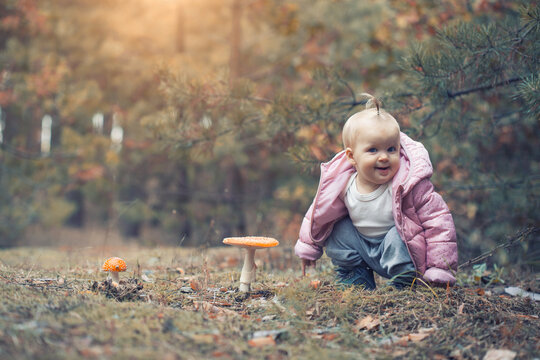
<point x="370" y="213"/>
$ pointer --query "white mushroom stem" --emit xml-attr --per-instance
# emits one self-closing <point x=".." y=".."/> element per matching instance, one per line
<point x="248" y="270"/>
<point x="114" y="276"/>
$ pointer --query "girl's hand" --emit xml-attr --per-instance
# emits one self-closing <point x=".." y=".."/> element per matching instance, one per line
<point x="306" y="263"/>
<point x="439" y="276"/>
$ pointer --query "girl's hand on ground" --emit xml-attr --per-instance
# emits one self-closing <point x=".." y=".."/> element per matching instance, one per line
<point x="439" y="276"/>
<point x="306" y="263"/>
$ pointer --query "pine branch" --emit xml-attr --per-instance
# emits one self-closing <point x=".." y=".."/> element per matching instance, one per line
<point x="521" y="235"/>
<point x="21" y="154"/>
<point x="456" y="94"/>
<point x="185" y="142"/>
<point x="497" y="185"/>
<point x="35" y="155"/>
<point x="351" y="91"/>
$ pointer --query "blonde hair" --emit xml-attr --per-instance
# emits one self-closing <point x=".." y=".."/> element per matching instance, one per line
<point x="373" y="110"/>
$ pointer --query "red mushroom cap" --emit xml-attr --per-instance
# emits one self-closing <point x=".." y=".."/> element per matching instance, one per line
<point x="114" y="264"/>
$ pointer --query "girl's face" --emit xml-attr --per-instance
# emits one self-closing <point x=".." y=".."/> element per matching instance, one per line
<point x="374" y="154"/>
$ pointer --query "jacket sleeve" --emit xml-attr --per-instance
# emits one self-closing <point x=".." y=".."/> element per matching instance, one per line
<point x="326" y="209"/>
<point x="440" y="233"/>
<point x="305" y="248"/>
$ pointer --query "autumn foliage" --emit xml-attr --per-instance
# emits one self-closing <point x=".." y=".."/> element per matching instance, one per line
<point x="224" y="121"/>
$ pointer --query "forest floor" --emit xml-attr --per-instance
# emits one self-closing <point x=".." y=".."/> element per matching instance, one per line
<point x="176" y="303"/>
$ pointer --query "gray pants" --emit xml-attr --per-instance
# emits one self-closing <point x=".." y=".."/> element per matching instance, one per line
<point x="387" y="256"/>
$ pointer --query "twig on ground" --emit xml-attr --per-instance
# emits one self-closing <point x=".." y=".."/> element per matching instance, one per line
<point x="518" y="237"/>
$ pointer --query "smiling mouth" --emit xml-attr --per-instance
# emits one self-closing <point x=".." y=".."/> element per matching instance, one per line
<point x="382" y="168"/>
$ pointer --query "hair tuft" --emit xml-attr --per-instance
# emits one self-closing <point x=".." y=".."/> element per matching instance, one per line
<point x="373" y="102"/>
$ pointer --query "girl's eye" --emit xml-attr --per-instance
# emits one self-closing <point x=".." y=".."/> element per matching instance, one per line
<point x="372" y="150"/>
<point x="392" y="149"/>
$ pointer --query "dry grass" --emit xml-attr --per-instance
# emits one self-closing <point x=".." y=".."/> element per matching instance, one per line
<point x="56" y="304"/>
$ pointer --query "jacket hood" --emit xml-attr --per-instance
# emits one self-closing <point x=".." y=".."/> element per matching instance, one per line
<point x="414" y="165"/>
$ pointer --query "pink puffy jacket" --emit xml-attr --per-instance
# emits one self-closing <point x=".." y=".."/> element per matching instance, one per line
<point x="422" y="218"/>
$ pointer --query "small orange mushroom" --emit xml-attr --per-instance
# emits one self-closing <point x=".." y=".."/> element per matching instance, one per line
<point x="250" y="243"/>
<point x="114" y="266"/>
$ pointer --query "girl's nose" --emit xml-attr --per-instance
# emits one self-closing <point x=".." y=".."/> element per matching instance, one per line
<point x="383" y="157"/>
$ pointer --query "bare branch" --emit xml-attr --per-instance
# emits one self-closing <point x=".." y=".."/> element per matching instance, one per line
<point x="521" y="235"/>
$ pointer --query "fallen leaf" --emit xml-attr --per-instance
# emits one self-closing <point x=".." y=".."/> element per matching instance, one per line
<point x="262" y="341"/>
<point x="367" y="323"/>
<point x="315" y="284"/>
<point x="417" y="337"/>
<point x="499" y="354"/>
<point x="92" y="352"/>
<point x="195" y="285"/>
<point x="222" y="303"/>
<point x="399" y="353"/>
<point x="515" y="291"/>
<point x="457" y="354"/>
<point x="211" y="308"/>
<point x="218" y="353"/>
<point x="460" y="309"/>
<point x="330" y="336"/>
<point x="402" y="341"/>
<point x="440" y="357"/>
<point x="204" y="338"/>
<point x="530" y="317"/>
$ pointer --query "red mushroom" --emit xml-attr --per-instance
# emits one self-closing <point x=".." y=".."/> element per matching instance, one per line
<point x="250" y="243"/>
<point x="114" y="266"/>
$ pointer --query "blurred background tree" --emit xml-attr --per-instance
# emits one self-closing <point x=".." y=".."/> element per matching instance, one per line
<point x="226" y="108"/>
<point x="61" y="61"/>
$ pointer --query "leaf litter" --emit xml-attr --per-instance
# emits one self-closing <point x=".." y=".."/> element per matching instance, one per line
<point x="124" y="290"/>
<point x="198" y="313"/>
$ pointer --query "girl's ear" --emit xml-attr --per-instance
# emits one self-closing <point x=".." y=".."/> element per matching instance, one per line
<point x="349" y="153"/>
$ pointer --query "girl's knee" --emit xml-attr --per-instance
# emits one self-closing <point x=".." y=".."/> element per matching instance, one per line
<point x="393" y="239"/>
<point x="393" y="234"/>
<point x="347" y="258"/>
